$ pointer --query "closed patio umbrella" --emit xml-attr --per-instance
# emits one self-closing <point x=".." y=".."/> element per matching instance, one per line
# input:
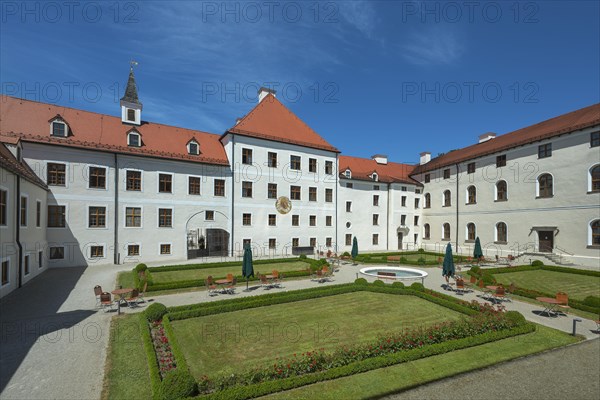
<point x="477" y="252"/>
<point x="247" y="267"/>
<point x="448" y="265"/>
<point x="354" y="252"/>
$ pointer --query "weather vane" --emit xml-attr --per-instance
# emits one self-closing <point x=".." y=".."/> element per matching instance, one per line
<point x="132" y="63"/>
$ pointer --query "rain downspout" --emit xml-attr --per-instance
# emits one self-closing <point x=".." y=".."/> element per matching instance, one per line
<point x="337" y="182"/>
<point x="232" y="191"/>
<point x="117" y="255"/>
<point x="457" y="204"/>
<point x="18" y="231"/>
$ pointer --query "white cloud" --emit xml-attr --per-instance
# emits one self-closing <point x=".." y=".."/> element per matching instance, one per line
<point x="437" y="46"/>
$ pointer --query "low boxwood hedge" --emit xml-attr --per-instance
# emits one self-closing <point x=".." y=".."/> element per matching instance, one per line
<point x="178" y="384"/>
<point x="153" y="368"/>
<point x="155" y="312"/>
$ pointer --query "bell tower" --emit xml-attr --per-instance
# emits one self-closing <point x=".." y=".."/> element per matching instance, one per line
<point x="131" y="108"/>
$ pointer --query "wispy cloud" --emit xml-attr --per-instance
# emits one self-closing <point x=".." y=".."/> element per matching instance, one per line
<point x="360" y="15"/>
<point x="436" y="46"/>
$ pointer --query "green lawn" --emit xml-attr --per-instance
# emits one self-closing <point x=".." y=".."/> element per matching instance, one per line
<point x="578" y="287"/>
<point x="126" y="374"/>
<point x="219" y="272"/>
<point x="237" y="341"/>
<point x="404" y="376"/>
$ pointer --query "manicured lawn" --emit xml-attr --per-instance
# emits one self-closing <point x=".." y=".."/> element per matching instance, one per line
<point x="201" y="274"/>
<point x="237" y="341"/>
<point x="404" y="376"/>
<point x="578" y="287"/>
<point x="127" y="374"/>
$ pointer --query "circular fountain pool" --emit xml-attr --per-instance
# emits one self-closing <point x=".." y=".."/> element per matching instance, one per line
<point x="394" y="273"/>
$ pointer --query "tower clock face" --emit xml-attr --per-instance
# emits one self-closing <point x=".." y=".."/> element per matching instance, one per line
<point x="283" y="205"/>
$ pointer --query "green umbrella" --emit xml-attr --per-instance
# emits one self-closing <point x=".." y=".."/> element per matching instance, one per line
<point x="247" y="268"/>
<point x="477" y="253"/>
<point x="354" y="248"/>
<point x="448" y="266"/>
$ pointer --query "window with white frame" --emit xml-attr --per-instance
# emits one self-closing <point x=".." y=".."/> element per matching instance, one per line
<point x="193" y="148"/>
<point x="471" y="231"/>
<point x="501" y="232"/>
<point x="134" y="139"/>
<point x="501" y="191"/>
<point x="594" y="233"/>
<point x="59" y="129"/>
<point x="545" y="186"/>
<point x="594" y="179"/>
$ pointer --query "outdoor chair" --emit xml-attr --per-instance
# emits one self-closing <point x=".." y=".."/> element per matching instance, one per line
<point x="319" y="276"/>
<point x="133" y="298"/>
<point x="97" y="292"/>
<point x="500" y="294"/>
<point x="230" y="277"/>
<point x="143" y="293"/>
<point x="106" y="301"/>
<point x="230" y="288"/>
<point x="486" y="291"/>
<point x="264" y="282"/>
<point x="564" y="302"/>
<point x="276" y="278"/>
<point x="327" y="273"/>
<point x="460" y="286"/>
<point x="210" y="285"/>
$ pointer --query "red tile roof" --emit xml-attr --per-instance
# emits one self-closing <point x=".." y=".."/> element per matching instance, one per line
<point x="575" y="120"/>
<point x="10" y="163"/>
<point x="362" y="168"/>
<point x="29" y="120"/>
<point x="271" y="120"/>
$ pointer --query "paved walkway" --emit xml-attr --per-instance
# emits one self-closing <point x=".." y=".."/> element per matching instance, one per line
<point x="54" y="340"/>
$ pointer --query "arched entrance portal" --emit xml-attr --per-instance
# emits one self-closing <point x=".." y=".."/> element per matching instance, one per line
<point x="206" y="235"/>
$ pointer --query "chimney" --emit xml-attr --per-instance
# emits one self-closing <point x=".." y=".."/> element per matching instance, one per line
<point x="425" y="157"/>
<point x="263" y="92"/>
<point x="380" y="159"/>
<point x="486" y="136"/>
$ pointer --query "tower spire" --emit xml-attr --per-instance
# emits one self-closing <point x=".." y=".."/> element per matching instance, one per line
<point x="131" y="108"/>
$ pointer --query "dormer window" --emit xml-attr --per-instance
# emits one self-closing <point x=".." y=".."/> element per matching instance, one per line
<point x="375" y="177"/>
<point x="193" y="148"/>
<point x="348" y="174"/>
<point x="130" y="115"/>
<point x="134" y="139"/>
<point x="58" y="129"/>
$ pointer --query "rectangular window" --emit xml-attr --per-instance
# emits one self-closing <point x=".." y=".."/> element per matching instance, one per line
<point x="312" y="220"/>
<point x="5" y="268"/>
<point x="545" y="150"/>
<point x="403" y="188"/>
<point x="246" y="219"/>
<point x="295" y="242"/>
<point x="40" y="259"/>
<point x="133" y="250"/>
<point x="130" y="114"/>
<point x="134" y="181"/>
<point x="416" y="220"/>
<point x="56" y="217"/>
<point x="96" y="251"/>
<point x="246" y="189"/>
<point x="165" y="218"/>
<point x="23" y="211"/>
<point x="375" y="187"/>
<point x="295" y="220"/>
<point x="313" y="242"/>
<point x="328" y="167"/>
<point x="56" y="174"/>
<point x="375" y="219"/>
<point x="295" y="192"/>
<point x="26" y="264"/>
<point x="194" y="185"/>
<point x="376" y="200"/>
<point x="295" y="162"/>
<point x="403" y="220"/>
<point x="328" y="220"/>
<point x="312" y="194"/>
<point x="38" y="213"/>
<point x="403" y="201"/>
<point x="246" y="156"/>
<point x="272" y="191"/>
<point x="348" y="239"/>
<point x="133" y="217"/>
<point x="165" y="248"/>
<point x="447" y="173"/>
<point x="501" y="161"/>
<point x="165" y="183"/>
<point x="57" y="253"/>
<point x="272" y="243"/>
<point x="375" y="239"/>
<point x="349" y="185"/>
<point x="3" y="207"/>
<point x="471" y="168"/>
<point x="348" y="206"/>
<point x="427" y="178"/>
<point x="595" y="139"/>
<point x="97" y="217"/>
<point x="312" y="165"/>
<point x="97" y="178"/>
<point x="416" y="203"/>
<point x="219" y="187"/>
<point x="59" y="129"/>
<point x="329" y="195"/>
<point x="272" y="160"/>
<point x="272" y="219"/>
<point x="209" y="215"/>
<point x="328" y="242"/>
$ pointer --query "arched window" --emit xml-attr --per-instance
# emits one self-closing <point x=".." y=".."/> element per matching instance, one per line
<point x="470" y="231"/>
<point x="471" y="195"/>
<point x="595" y="179"/>
<point x="595" y="225"/>
<point x="545" y="185"/>
<point x="426" y="231"/>
<point x="501" y="235"/>
<point x="427" y="200"/>
<point x="501" y="191"/>
<point x="446" y="232"/>
<point x="447" y="200"/>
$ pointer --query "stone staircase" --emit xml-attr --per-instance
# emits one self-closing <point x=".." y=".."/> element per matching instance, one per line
<point x="555" y="259"/>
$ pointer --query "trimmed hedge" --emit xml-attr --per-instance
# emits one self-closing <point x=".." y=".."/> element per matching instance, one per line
<point x="361" y="281"/>
<point x="223" y="264"/>
<point x="178" y="384"/>
<point x="153" y="368"/>
<point x="155" y="312"/>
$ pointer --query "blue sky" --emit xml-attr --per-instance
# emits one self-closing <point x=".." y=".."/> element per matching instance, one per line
<point x="371" y="77"/>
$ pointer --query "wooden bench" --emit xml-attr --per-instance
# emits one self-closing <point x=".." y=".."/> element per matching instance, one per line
<point x="393" y="258"/>
<point x="386" y="275"/>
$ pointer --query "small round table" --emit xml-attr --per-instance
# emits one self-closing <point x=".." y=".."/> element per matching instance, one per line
<point x="121" y="293"/>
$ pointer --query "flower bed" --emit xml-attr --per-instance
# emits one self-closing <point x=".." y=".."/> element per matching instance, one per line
<point x="162" y="349"/>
